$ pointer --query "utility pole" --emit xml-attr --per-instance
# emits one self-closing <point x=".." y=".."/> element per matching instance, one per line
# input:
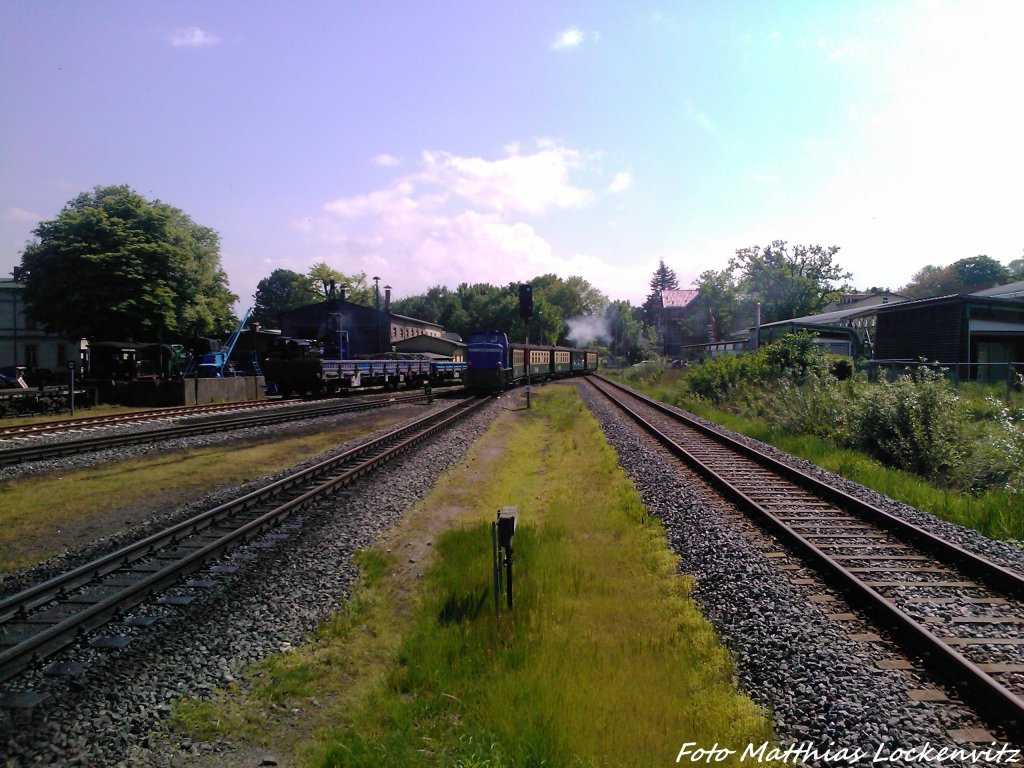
<point x="376" y="307"/>
<point x="526" y="312"/>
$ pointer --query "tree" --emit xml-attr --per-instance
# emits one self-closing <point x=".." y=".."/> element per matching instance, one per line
<point x="1016" y="269"/>
<point x="114" y="265"/>
<point x="357" y="290"/>
<point x="964" y="276"/>
<point x="664" y="279"/>
<point x="282" y="290"/>
<point x="430" y="306"/>
<point x="628" y="342"/>
<point x="718" y="304"/>
<point x="788" y="281"/>
<point x="560" y="301"/>
<point x="931" y="281"/>
<point x="978" y="272"/>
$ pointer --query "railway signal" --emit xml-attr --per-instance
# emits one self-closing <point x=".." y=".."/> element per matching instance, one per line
<point x="525" y="301"/>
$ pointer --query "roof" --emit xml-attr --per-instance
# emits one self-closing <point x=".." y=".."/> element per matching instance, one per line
<point x="675" y="299"/>
<point x="827" y="318"/>
<point x="415" y="320"/>
<point x="1010" y="290"/>
<point x="954" y="298"/>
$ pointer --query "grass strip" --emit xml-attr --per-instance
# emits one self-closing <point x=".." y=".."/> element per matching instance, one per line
<point x="42" y="516"/>
<point x="604" y="661"/>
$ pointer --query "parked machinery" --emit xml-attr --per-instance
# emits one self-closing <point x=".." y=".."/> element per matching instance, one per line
<point x="298" y="367"/>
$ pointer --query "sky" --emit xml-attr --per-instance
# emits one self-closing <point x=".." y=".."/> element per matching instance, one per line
<point x="435" y="143"/>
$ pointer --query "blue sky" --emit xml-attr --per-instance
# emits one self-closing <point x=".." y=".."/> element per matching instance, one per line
<point x="441" y="142"/>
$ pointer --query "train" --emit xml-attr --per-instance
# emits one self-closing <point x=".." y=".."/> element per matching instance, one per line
<point x="27" y="392"/>
<point x="299" y="367"/>
<point x="494" y="364"/>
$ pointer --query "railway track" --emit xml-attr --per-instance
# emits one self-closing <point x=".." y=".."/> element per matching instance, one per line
<point x="23" y="452"/>
<point x="38" y="622"/>
<point x="56" y="426"/>
<point x="961" y="613"/>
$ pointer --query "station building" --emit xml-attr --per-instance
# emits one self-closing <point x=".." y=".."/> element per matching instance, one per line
<point x="369" y="331"/>
<point x="23" y="343"/>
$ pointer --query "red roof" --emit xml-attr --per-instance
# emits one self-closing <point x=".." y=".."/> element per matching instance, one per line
<point x="675" y="299"/>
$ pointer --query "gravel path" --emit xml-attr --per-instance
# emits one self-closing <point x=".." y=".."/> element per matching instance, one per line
<point x="280" y="588"/>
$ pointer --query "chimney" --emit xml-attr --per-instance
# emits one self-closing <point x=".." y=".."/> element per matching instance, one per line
<point x="342" y="291"/>
<point x="387" y="299"/>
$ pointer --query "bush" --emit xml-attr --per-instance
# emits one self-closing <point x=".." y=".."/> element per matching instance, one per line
<point x="795" y="356"/>
<point x="819" y="407"/>
<point x="998" y="458"/>
<point x="841" y="367"/>
<point x="914" y="423"/>
<point x="718" y="378"/>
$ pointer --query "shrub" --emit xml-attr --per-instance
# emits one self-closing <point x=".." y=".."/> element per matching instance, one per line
<point x="795" y="356"/>
<point x="718" y="378"/>
<point x="913" y="423"/>
<point x="998" y="458"/>
<point x="820" y="407"/>
<point x="841" y="367"/>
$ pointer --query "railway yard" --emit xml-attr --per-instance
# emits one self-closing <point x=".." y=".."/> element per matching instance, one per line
<point x="97" y="643"/>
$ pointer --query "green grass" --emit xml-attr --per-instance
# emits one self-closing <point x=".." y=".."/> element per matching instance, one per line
<point x="995" y="513"/>
<point x="605" y="660"/>
<point x="80" y="412"/>
<point x="41" y="516"/>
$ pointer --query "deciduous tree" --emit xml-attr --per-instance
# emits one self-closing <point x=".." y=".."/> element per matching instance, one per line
<point x="357" y="290"/>
<point x="114" y="265"/>
<point x="282" y="290"/>
<point x="789" y="281"/>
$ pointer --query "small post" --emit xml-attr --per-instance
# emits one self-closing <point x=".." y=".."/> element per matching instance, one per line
<point x="71" y="386"/>
<point x="496" y="569"/>
<point x="526" y="353"/>
<point x="501" y="539"/>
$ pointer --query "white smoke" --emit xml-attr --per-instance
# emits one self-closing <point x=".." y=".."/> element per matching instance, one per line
<point x="584" y="330"/>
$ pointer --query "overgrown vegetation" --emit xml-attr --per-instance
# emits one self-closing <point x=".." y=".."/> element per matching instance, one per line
<point x="962" y="442"/>
<point x="604" y="661"/>
<point x="45" y="515"/>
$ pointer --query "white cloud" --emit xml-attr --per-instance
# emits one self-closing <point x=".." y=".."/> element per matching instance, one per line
<point x="461" y="219"/>
<point x="621" y="182"/>
<point x="386" y="161"/>
<point x="570" y="38"/>
<point x="534" y="183"/>
<point x="193" y="37"/>
<point x="20" y="214"/>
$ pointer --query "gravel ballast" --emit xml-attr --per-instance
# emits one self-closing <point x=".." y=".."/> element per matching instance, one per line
<point x="281" y="587"/>
<point x="821" y="686"/>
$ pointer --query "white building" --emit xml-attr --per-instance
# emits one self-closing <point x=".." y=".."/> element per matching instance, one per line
<point x="22" y="342"/>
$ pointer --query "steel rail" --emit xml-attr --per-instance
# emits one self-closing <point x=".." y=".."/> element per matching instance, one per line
<point x="47" y="590"/>
<point x="47" y="642"/>
<point x="21" y="454"/>
<point x="985" y="692"/>
<point x="87" y="422"/>
<point x="991" y="573"/>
